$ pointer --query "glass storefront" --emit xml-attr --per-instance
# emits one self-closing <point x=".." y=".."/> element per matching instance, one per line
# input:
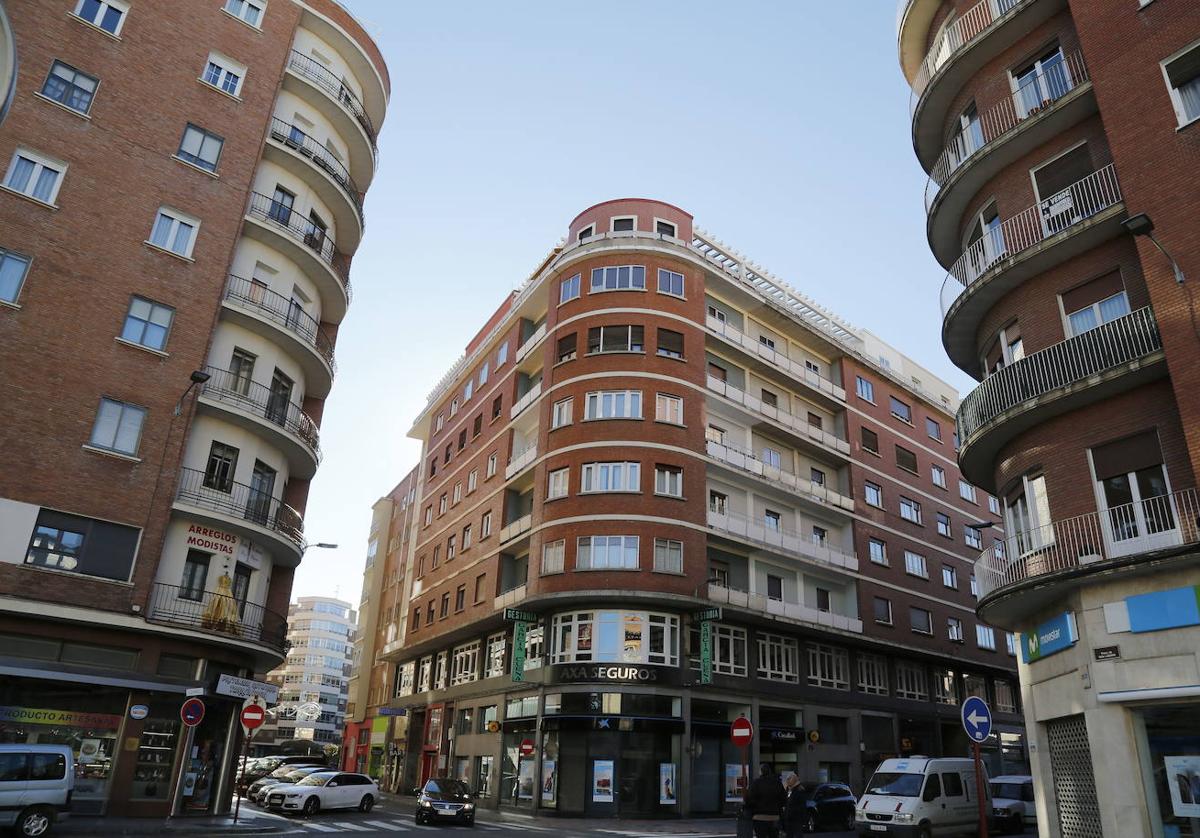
<point x="1169" y="747"/>
<point x="155" y="759"/>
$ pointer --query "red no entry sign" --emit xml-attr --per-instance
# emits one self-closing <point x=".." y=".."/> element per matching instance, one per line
<point x="192" y="712"/>
<point x="253" y="716"/>
<point x="526" y="747"/>
<point x="741" y="732"/>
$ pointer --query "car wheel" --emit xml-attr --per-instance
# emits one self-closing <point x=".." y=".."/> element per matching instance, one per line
<point x="366" y="804"/>
<point x="810" y="823"/>
<point x="850" y="821"/>
<point x="419" y="818"/>
<point x="924" y="832"/>
<point x="34" y="822"/>
<point x="311" y="806"/>
<point x="470" y="821"/>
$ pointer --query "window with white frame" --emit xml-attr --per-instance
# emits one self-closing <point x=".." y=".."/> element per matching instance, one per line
<point x="828" y="666"/>
<point x="607" y="552"/>
<point x="966" y="491"/>
<point x="553" y="555"/>
<point x="610" y="477"/>
<point x="457" y="492"/>
<point x="1005" y="697"/>
<point x="501" y="354"/>
<point x="468" y="389"/>
<point x="985" y="637"/>
<point x="472" y="480"/>
<point x="772" y="520"/>
<point x="424" y="674"/>
<point x="668" y="408"/>
<point x="13" y="269"/>
<point x="945" y="686"/>
<point x="668" y="480"/>
<point x="491" y="466"/>
<point x="993" y="504"/>
<point x="560" y="413"/>
<point x="568" y="289"/>
<point x="250" y="11"/>
<point x="147" y="323"/>
<point x="973" y="537"/>
<point x="557" y="482"/>
<point x="464" y="666"/>
<point x="1010" y="642"/>
<point x="485" y="525"/>
<point x="484" y="371"/>
<point x="174" y="231"/>
<point x="613" y="404"/>
<point x="670" y="282"/>
<point x="441" y="670"/>
<point x="1182" y="72"/>
<point x="872" y="674"/>
<point x="864" y="388"/>
<point x="439" y="423"/>
<point x="70" y="87"/>
<point x="943" y="525"/>
<point x="200" y="147"/>
<point x="911" y="682"/>
<point x="873" y="493"/>
<point x="442" y="504"/>
<point x="877" y="550"/>
<point x="778" y="658"/>
<point x="35" y="175"/>
<point x="223" y="73"/>
<point x="910" y="510"/>
<point x="108" y="15"/>
<point x="623" y="338"/>
<point x="771" y="457"/>
<point x="665" y="228"/>
<point x="1027" y="514"/>
<point x="718" y="502"/>
<point x="466" y="537"/>
<point x="949" y="577"/>
<point x="535" y="648"/>
<point x="920" y="620"/>
<point x="729" y="650"/>
<point x="938" y="475"/>
<point x="914" y="564"/>
<point x="619" y="278"/>
<point x="404" y="683"/>
<point x="118" y="427"/>
<point x="900" y="410"/>
<point x="668" y="555"/>
<point x="954" y="629"/>
<point x="615" y="636"/>
<point x="496" y="645"/>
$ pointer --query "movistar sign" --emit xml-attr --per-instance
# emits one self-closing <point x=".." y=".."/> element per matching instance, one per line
<point x="1049" y="637"/>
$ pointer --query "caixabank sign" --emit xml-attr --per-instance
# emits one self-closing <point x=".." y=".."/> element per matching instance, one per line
<point x="1049" y="637"/>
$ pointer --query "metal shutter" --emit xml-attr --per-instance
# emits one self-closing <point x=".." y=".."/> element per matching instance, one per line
<point x="1074" y="784"/>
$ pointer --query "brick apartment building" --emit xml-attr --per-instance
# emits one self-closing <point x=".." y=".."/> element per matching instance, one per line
<point x="180" y="197"/>
<point x="649" y="428"/>
<point x="1061" y="138"/>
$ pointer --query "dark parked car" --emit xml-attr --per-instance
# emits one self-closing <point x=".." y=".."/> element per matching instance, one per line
<point x="443" y="799"/>
<point x="261" y="767"/>
<point x="822" y="806"/>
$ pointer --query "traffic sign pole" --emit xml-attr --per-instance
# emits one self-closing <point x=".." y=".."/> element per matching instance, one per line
<point x="252" y="717"/>
<point x="741" y="733"/>
<point x="983" y="821"/>
<point x="237" y="807"/>
<point x="977" y="722"/>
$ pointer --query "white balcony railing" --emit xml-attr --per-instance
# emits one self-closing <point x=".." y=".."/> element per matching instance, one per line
<point x="797" y="425"/>
<point x="520" y="462"/>
<point x="968" y="26"/>
<point x="779" y="608"/>
<point x="795" y="369"/>
<point x="517" y="527"/>
<point x="1035" y="96"/>
<point x="1106" y="347"/>
<point x="530" y="342"/>
<point x="781" y="540"/>
<point x="1057" y="213"/>
<point x="748" y="462"/>
<point x="526" y="400"/>
<point x="509" y="598"/>
<point x="1157" y="523"/>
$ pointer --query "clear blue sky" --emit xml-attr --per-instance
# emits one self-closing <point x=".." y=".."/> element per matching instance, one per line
<point x="782" y="126"/>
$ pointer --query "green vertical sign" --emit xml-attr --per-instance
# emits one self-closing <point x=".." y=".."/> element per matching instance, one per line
<point x="706" y="651"/>
<point x="518" y="656"/>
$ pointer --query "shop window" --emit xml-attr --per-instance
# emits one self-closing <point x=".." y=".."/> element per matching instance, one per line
<point x="615" y="636"/>
<point x="155" y="759"/>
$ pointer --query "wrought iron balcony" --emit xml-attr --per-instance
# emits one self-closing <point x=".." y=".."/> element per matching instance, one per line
<point x="291" y="136"/>
<point x="1158" y="523"/>
<point x="966" y="28"/>
<point x="1035" y="96"/>
<point x="282" y="310"/>
<point x="1056" y="367"/>
<point x="237" y="500"/>
<point x="1050" y="217"/>
<point x="322" y="77"/>
<point x="261" y="401"/>
<point x="218" y="613"/>
<point x="297" y="227"/>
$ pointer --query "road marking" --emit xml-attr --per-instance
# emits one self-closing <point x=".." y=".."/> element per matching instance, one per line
<point x="320" y="827"/>
<point x="389" y="825"/>
<point x="352" y="826"/>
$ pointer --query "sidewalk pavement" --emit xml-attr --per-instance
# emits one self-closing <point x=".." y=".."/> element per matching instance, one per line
<point x="249" y="823"/>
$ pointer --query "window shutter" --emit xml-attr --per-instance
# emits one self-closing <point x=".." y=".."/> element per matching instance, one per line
<point x="1091" y="292"/>
<point x="1125" y="455"/>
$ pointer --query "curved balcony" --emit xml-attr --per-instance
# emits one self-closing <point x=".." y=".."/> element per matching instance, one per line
<point x="279" y="319"/>
<point x="318" y="86"/>
<point x="960" y="50"/>
<point x="1017" y="577"/>
<point x="780" y="540"/>
<point x="796" y="428"/>
<point x="830" y="393"/>
<point x="262" y="411"/>
<point x="1070" y="222"/>
<point x="1081" y="370"/>
<point x="248" y="511"/>
<point x="744" y="461"/>
<point x="306" y="244"/>
<point x="218" y="614"/>
<point x="1045" y="105"/>
<point x="300" y="154"/>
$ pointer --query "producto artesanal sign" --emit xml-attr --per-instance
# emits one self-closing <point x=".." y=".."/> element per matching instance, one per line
<point x="46" y="716"/>
<point x="209" y="539"/>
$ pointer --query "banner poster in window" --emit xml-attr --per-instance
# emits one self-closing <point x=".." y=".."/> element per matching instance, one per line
<point x="666" y="784"/>
<point x="525" y="779"/>
<point x="549" y="780"/>
<point x="602" y="781"/>
<point x="735" y="782"/>
<point x="1183" y="781"/>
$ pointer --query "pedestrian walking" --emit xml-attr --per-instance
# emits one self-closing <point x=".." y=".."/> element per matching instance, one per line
<point x="766" y="798"/>
<point x="795" y="810"/>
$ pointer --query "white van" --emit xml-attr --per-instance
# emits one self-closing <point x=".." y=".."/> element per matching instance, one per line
<point x="36" y="782"/>
<point x="1013" y="803"/>
<point x="922" y="797"/>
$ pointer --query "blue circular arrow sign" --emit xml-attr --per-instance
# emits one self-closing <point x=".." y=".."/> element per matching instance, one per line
<point x="977" y="719"/>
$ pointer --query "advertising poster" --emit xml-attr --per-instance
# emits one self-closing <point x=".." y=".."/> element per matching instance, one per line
<point x="602" y="781"/>
<point x="735" y="783"/>
<point x="666" y="784"/>
<point x="1183" y="781"/>
<point x="89" y="751"/>
<point x="549" y="780"/>
<point x="525" y="781"/>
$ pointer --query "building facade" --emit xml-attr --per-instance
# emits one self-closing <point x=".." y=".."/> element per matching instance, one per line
<point x="704" y="497"/>
<point x="314" y="680"/>
<point x="375" y="734"/>
<point x="1059" y="137"/>
<point x="181" y="195"/>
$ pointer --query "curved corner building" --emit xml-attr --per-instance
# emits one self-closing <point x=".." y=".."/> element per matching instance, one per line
<point x="663" y="490"/>
<point x="177" y="220"/>
<point x="1055" y="135"/>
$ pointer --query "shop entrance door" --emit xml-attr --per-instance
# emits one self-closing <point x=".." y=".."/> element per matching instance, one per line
<point x="428" y="766"/>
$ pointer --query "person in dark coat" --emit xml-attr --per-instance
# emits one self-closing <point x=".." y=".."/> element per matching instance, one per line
<point x="795" y="811"/>
<point x="766" y="798"/>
